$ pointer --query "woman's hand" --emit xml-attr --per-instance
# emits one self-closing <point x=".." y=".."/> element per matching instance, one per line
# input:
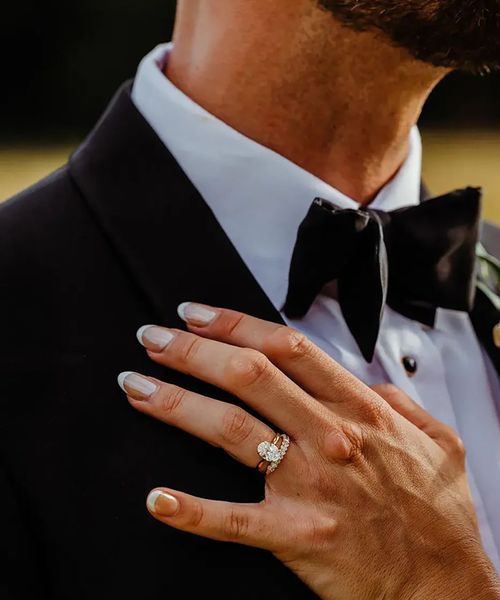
<point x="371" y="499"/>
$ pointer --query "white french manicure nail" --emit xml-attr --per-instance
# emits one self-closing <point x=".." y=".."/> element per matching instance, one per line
<point x="196" y="313"/>
<point x="136" y="385"/>
<point x="167" y="506"/>
<point x="152" y="499"/>
<point x="154" y="337"/>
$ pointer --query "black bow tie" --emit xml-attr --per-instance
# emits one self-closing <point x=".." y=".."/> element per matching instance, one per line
<point x="416" y="259"/>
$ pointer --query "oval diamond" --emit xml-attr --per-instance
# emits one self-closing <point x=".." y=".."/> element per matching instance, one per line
<point x="269" y="451"/>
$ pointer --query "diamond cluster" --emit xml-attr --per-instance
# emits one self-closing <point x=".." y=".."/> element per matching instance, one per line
<point x="273" y="454"/>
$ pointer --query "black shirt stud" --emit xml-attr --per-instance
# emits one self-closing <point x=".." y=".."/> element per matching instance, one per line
<point x="410" y="365"/>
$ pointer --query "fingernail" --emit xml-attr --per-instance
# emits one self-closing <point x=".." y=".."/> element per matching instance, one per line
<point x="198" y="314"/>
<point x="135" y="385"/>
<point x="162" y="503"/>
<point x="154" y="338"/>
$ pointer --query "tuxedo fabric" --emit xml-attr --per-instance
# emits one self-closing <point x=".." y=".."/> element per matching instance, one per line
<point x="117" y="239"/>
<point x="259" y="198"/>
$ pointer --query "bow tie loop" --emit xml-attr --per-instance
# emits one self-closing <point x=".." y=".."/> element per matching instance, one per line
<point x="326" y="241"/>
<point x="415" y="259"/>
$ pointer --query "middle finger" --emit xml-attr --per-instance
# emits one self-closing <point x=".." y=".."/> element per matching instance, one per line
<point x="244" y="372"/>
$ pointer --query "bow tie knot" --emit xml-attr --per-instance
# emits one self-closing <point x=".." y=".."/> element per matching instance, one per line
<point x="415" y="259"/>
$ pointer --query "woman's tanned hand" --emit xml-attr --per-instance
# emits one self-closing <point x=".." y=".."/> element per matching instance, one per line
<point x="371" y="499"/>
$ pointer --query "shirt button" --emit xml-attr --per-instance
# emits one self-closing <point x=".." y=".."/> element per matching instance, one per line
<point x="410" y="365"/>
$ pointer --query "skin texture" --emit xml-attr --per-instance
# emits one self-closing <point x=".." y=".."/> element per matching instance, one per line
<point x="337" y="102"/>
<point x="371" y="500"/>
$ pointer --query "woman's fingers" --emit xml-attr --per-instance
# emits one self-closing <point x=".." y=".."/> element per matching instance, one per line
<point x="291" y="351"/>
<point x="287" y="348"/>
<point x="443" y="435"/>
<point x="243" y="372"/>
<point x="249" y="524"/>
<point x="218" y="423"/>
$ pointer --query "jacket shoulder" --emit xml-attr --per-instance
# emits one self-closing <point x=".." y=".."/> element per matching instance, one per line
<point x="45" y="233"/>
<point x="36" y="205"/>
<point x="42" y="221"/>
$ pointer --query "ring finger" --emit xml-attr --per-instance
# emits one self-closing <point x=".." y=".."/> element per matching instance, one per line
<point x="221" y="424"/>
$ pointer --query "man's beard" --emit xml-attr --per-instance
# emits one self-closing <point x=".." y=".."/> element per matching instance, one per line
<point x="461" y="34"/>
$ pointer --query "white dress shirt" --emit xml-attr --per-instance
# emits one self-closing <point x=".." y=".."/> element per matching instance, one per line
<point x="260" y="198"/>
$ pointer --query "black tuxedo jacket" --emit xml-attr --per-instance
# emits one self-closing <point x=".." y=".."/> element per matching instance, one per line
<point x="116" y="239"/>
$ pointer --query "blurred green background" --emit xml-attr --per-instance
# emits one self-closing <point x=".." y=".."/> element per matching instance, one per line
<point x="63" y="61"/>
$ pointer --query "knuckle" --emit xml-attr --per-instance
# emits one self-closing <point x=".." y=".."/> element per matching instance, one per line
<point x="230" y="323"/>
<point x="196" y="515"/>
<point x="376" y="413"/>
<point x="456" y="445"/>
<point x="247" y="367"/>
<point x="237" y="426"/>
<point x="235" y="525"/>
<point x="287" y="342"/>
<point x="354" y="441"/>
<point x="188" y="347"/>
<point x="171" y="398"/>
<point x="388" y="391"/>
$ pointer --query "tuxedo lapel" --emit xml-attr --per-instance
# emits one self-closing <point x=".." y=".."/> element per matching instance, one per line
<point x="153" y="215"/>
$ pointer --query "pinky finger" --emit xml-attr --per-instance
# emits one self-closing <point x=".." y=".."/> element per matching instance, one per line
<point x="248" y="524"/>
<point x="442" y="434"/>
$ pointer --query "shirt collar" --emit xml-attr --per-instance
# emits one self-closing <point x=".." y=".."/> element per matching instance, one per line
<point x="258" y="196"/>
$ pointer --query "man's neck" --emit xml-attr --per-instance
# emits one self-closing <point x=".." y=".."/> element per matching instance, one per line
<point x="336" y="102"/>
